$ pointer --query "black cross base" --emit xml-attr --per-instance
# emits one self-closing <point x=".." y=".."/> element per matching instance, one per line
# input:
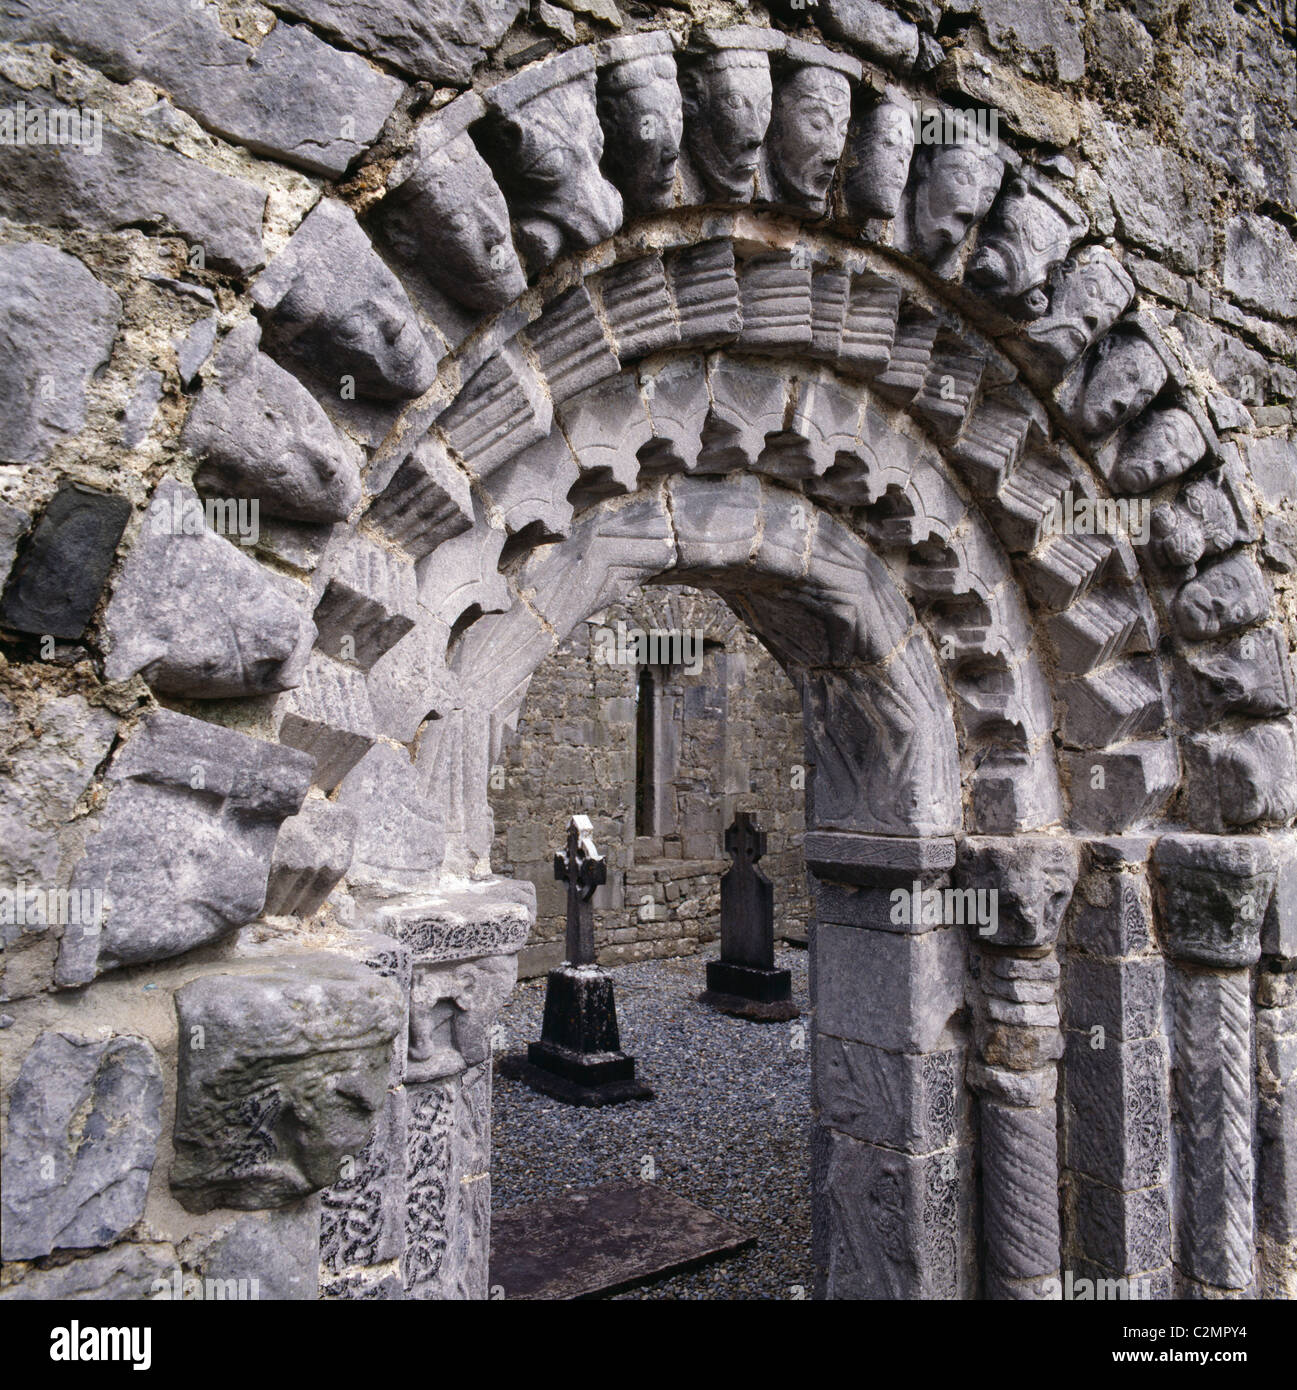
<point x="579" y="1058"/>
<point x="748" y="991"/>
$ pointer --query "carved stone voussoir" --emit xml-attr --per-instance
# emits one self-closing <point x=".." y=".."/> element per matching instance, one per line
<point x="282" y="1072"/>
<point x="808" y="124"/>
<point x="1030" y="230"/>
<point x="1243" y="779"/>
<point x="1087" y="293"/>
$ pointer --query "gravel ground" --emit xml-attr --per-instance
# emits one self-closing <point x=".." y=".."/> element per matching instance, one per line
<point x="728" y="1127"/>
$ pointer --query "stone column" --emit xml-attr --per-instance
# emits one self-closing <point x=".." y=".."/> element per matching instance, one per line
<point x="1214" y="893"/>
<point x="1023" y="885"/>
<point x="1116" y="1077"/>
<point x="891" y="1160"/>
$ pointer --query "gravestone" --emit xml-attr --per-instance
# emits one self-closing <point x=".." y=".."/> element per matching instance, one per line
<point x="744" y="982"/>
<point x="579" y="1058"/>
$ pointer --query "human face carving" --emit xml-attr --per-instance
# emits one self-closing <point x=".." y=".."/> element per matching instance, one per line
<point x="643" y="117"/>
<point x="727" y="102"/>
<point x="957" y="187"/>
<point x="881" y="149"/>
<point x="1167" y="446"/>
<point x="1224" y="598"/>
<point x="807" y="132"/>
<point x="1125" y="377"/>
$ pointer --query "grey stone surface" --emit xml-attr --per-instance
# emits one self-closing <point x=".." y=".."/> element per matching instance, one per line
<point x="57" y="579"/>
<point x="808" y="127"/>
<point x="1029" y="232"/>
<point x="452" y="1010"/>
<point x="183" y="850"/>
<point x="1214" y="896"/>
<point x="915" y="1102"/>
<point x="282" y="1072"/>
<point x="197" y="615"/>
<point x="131" y="1272"/>
<point x="1225" y="597"/>
<point x="131" y="182"/>
<point x="312" y="852"/>
<point x="1032" y="876"/>
<point x="880" y="31"/>
<point x="57" y="326"/>
<point x="1117" y="378"/>
<point x="642" y="116"/>
<point x="1261" y="266"/>
<point x="273" y="1255"/>
<point x="1049" y="39"/>
<point x="401" y="835"/>
<point x="727" y="107"/>
<point x="80" y="1140"/>
<point x="291" y="97"/>
<point x="440" y="45"/>
<point x="1117" y="1110"/>
<point x="880" y="145"/>
<point x="259" y="433"/>
<point x="363" y="1213"/>
<point x="461" y="923"/>
<point x="334" y="309"/>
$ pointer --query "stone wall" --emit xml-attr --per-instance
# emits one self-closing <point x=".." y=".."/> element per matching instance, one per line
<point x="328" y="258"/>
<point x="735" y="745"/>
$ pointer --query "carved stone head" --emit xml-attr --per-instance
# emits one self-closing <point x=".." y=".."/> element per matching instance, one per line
<point x="333" y="306"/>
<point x="546" y="144"/>
<point x="1033" y="877"/>
<point x="882" y="143"/>
<point x="259" y="433"/>
<point x="1202" y="521"/>
<point x="956" y="185"/>
<point x="727" y="106"/>
<point x="1122" y="376"/>
<point x="450" y="219"/>
<point x="807" y="130"/>
<point x="1161" y="447"/>
<point x="642" y="115"/>
<point x="1224" y="598"/>
<point x="1257" y="776"/>
<point x="1030" y="230"/>
<point x="1087" y="293"/>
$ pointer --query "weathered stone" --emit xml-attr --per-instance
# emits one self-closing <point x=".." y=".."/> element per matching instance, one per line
<point x="1030" y="230"/>
<point x="183" y="850"/>
<point x="80" y="1141"/>
<point x="312" y="852"/>
<point x="452" y="1011"/>
<point x="271" y="1255"/>
<point x="332" y="307"/>
<point x="502" y="410"/>
<point x="1126" y="1232"/>
<point x="282" y="1071"/>
<point x="290" y="97"/>
<point x="1279" y="930"/>
<point x="1261" y="266"/>
<point x="559" y="199"/>
<point x="440" y="46"/>
<point x="1214" y="895"/>
<point x="1118" y="1110"/>
<point x="401" y="832"/>
<point x="877" y="29"/>
<point x="1115" y="380"/>
<point x="368" y="604"/>
<point x="808" y="124"/>
<point x="913" y="1102"/>
<point x="446" y="216"/>
<point x="426" y="502"/>
<point x="1020" y="1196"/>
<point x="1225" y="597"/>
<point x="134" y="1272"/>
<point x="706" y="291"/>
<point x="362" y="1215"/>
<point x="879" y="147"/>
<point x="1032" y="876"/>
<point x="56" y="581"/>
<point x="259" y="433"/>
<point x="1122" y="786"/>
<point x="1123" y="998"/>
<point x="642" y="117"/>
<point x="57" y="326"/>
<point x="570" y="343"/>
<point x="1047" y="42"/>
<point x="638" y="307"/>
<point x="197" y="616"/>
<point x="1088" y="292"/>
<point x="727" y="104"/>
<point x="131" y="182"/>
<point x="328" y="716"/>
<point x="1243" y="779"/>
<point x="490" y="918"/>
<point x="1160" y="446"/>
<point x="952" y="187"/>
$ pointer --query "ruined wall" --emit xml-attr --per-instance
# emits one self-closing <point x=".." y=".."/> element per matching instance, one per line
<point x="737" y="746"/>
<point x="293" y="259"/>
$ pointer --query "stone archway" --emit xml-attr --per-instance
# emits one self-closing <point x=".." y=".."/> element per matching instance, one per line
<point x="530" y="375"/>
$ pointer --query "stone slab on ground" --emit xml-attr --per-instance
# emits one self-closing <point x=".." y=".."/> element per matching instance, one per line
<point x="595" y="1241"/>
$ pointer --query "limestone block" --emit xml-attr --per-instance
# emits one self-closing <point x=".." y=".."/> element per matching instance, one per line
<point x="80" y="1141"/>
<point x="569" y="341"/>
<point x="1111" y="705"/>
<point x="1095" y="630"/>
<point x="1157" y="447"/>
<point x="638" y="307"/>
<point x="1016" y="790"/>
<point x="1030" y="230"/>
<point x="1113" y="382"/>
<point x="823" y="422"/>
<point x="125" y="1272"/>
<point x="61" y="567"/>
<point x="131" y="182"/>
<point x="988" y="450"/>
<point x="288" y="98"/>
<point x="426" y="502"/>
<point x="1214" y="892"/>
<point x="775" y="300"/>
<point x="951" y="189"/>
<point x="642" y="117"/>
<point x="1126" y="1232"/>
<point x="329" y="717"/>
<point x="330" y="306"/>
<point x="441" y="45"/>
<point x="1251" y="675"/>
<point x="1124" y="998"/>
<point x="868" y="324"/>
<point x="1033" y="877"/>
<point x="544" y="143"/>
<point x="808" y="125"/>
<point x="880" y="145"/>
<point x="531" y="490"/>
<point x="465" y="922"/>
<point x="1122" y="786"/>
<point x="678" y="403"/>
<point x="183" y="850"/>
<point x="908" y="1101"/>
<point x="431" y="1198"/>
<point x="1088" y="292"/>
<point x="1243" y="779"/>
<point x="368" y="604"/>
<point x="1120" y="926"/>
<point x="282" y="1073"/>
<point x="312" y="852"/>
<point x="57" y="326"/>
<point x="362" y="1215"/>
<point x="1260" y="266"/>
<point x="259" y="433"/>
<point x="907" y="364"/>
<point x="503" y="410"/>
<point x="273" y="1255"/>
<point x="197" y="616"/>
<point x="452" y="1010"/>
<point x="1118" y="1110"/>
<point x="606" y="426"/>
<point x="715" y="521"/>
<point x="401" y="833"/>
<point x="706" y="290"/>
<point x="882" y="33"/>
<point x="1279" y="929"/>
<point x="893" y="1225"/>
<point x="917" y="990"/>
<point x="949" y="385"/>
<point x="748" y="403"/>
